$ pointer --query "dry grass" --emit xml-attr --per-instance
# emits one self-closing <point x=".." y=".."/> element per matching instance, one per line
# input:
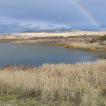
<point x="44" y="34"/>
<point x="81" y="84"/>
<point x="84" y="46"/>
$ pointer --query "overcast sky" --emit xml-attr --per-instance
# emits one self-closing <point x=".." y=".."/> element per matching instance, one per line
<point x="22" y="15"/>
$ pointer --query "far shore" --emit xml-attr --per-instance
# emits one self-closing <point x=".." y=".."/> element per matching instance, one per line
<point x="46" y="34"/>
<point x="76" y="39"/>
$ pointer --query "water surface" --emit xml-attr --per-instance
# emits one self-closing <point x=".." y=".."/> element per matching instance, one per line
<point x="39" y="54"/>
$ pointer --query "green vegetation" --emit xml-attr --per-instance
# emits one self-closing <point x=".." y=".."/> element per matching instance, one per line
<point x="9" y="100"/>
<point x="81" y="84"/>
<point x="103" y="37"/>
<point x="98" y="38"/>
<point x="90" y="48"/>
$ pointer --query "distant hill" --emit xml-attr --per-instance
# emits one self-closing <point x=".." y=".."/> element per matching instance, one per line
<point x="56" y="31"/>
<point x="45" y="31"/>
<point x="40" y="31"/>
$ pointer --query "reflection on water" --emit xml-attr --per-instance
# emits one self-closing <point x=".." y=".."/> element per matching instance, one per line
<point x="38" y="54"/>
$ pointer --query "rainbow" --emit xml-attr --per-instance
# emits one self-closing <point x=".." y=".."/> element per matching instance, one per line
<point x="86" y="13"/>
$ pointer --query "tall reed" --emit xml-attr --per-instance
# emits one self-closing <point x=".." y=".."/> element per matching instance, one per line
<point x="80" y="83"/>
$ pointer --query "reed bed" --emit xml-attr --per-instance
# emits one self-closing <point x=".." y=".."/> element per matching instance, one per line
<point x="80" y="84"/>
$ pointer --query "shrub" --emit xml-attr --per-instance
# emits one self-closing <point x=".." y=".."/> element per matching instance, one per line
<point x="93" y="40"/>
<point x="103" y="37"/>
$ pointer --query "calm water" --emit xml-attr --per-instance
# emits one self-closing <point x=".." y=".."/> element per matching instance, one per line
<point x="38" y="54"/>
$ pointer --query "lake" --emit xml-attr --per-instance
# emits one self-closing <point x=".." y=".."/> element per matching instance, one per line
<point x="39" y="54"/>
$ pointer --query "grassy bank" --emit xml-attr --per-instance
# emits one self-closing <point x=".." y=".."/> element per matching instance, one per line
<point x="84" y="42"/>
<point x="80" y="84"/>
<point x="96" y="47"/>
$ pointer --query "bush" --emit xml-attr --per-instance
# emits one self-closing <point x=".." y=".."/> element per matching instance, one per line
<point x="93" y="40"/>
<point x="103" y="37"/>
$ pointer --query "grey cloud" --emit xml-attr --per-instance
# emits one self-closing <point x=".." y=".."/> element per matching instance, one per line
<point x="4" y="27"/>
<point x="48" y="10"/>
<point x="50" y="26"/>
<point x="15" y="27"/>
<point x="54" y="12"/>
<point x="28" y="24"/>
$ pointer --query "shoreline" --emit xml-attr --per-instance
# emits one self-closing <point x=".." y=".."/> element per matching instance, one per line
<point x="81" y="40"/>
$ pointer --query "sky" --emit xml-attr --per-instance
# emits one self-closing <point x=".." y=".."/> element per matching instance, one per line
<point x="23" y="15"/>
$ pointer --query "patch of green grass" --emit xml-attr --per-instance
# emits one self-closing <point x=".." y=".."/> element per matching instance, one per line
<point x="13" y="101"/>
<point x="6" y="98"/>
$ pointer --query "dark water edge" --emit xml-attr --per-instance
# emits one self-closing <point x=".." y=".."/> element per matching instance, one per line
<point x="40" y="54"/>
